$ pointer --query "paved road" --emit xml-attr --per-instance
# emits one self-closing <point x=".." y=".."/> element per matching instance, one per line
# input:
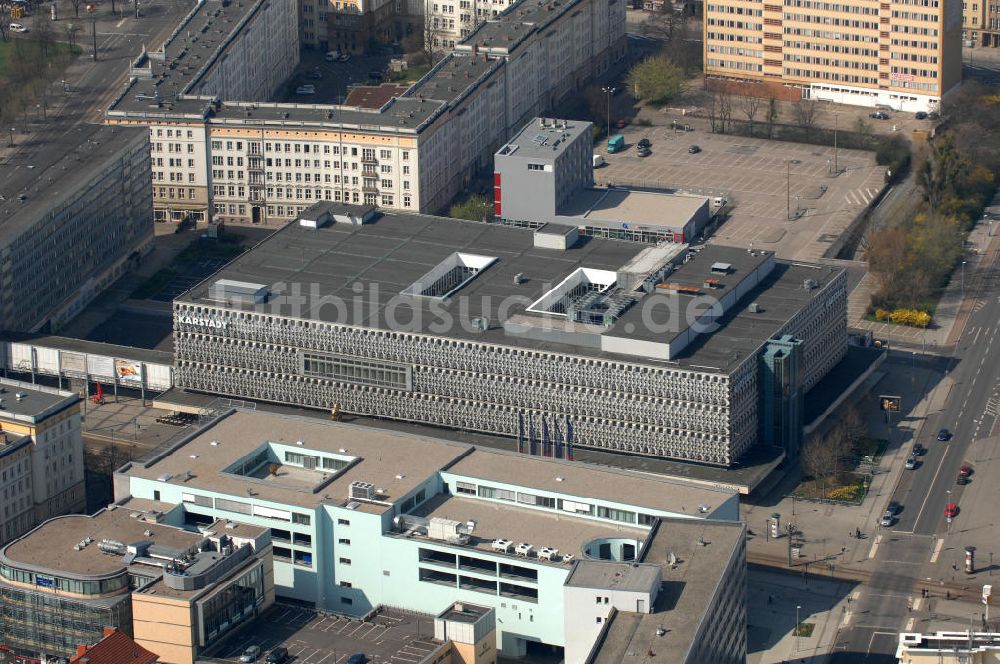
<point x="970" y="413"/>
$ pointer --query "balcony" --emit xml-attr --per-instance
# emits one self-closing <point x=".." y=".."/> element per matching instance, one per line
<point x="369" y="189"/>
<point x="369" y="160"/>
<point x="369" y="173"/>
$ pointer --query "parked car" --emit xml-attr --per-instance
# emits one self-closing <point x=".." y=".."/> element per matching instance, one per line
<point x="621" y="124"/>
<point x="962" y="480"/>
<point x="944" y="435"/>
<point x="911" y="463"/>
<point x="887" y="519"/>
<point x="599" y="161"/>
<point x="344" y="57"/>
<point x="919" y="450"/>
<point x="332" y="55"/>
<point x="357" y="658"/>
<point x="644" y="151"/>
<point x="894" y="507"/>
<point x="376" y="76"/>
<point x="965" y="471"/>
<point x="315" y="74"/>
<point x="645" y="143"/>
<point x="305" y="90"/>
<point x="694" y="149"/>
<point x="277" y="656"/>
<point x="250" y="654"/>
<point x="879" y="115"/>
<point x="920" y="115"/>
<point x="17" y="27"/>
<point x="951" y="511"/>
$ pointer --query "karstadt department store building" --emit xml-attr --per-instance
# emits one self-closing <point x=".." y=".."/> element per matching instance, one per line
<point x="491" y="328"/>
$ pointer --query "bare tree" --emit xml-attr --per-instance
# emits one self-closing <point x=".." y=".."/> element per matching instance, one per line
<point x="725" y="111"/>
<point x="821" y="457"/>
<point x="855" y="427"/>
<point x="807" y="114"/>
<point x="76" y="7"/>
<point x="772" y="116"/>
<point x="713" y="110"/>
<point x="664" y="24"/>
<point x="750" y="105"/>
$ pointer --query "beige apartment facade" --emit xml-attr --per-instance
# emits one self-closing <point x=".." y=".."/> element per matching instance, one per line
<point x="450" y="22"/>
<point x="949" y="648"/>
<point x="251" y="161"/>
<point x="902" y="54"/>
<point x="980" y="23"/>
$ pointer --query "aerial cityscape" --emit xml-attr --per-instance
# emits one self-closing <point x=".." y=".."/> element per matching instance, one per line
<point x="496" y="332"/>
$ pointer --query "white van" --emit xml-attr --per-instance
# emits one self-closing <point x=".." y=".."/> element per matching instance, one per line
<point x="599" y="161"/>
<point x="719" y="202"/>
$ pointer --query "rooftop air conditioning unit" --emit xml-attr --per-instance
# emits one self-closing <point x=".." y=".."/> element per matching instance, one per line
<point x="362" y="491"/>
<point x="754" y="308"/>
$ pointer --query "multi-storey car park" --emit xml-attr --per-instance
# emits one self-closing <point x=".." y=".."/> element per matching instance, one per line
<point x="221" y="150"/>
<point x="362" y="518"/>
<point x="902" y="54"/>
<point x="74" y="216"/>
<point x="648" y="350"/>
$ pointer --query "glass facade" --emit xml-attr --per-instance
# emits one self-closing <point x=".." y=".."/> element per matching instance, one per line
<point x="232" y="605"/>
<point x="37" y="623"/>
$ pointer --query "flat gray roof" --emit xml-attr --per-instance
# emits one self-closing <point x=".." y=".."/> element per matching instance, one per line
<point x="703" y="550"/>
<point x="544" y="142"/>
<point x="395" y="250"/>
<point x="90" y="347"/>
<point x="51" y="167"/>
<point x="38" y="402"/>
<point x="604" y="575"/>
<point x="614" y="205"/>
<point x="514" y="25"/>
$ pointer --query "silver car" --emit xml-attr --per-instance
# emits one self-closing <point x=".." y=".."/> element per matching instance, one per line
<point x="911" y="463"/>
<point x="887" y="519"/>
<point x="250" y="654"/>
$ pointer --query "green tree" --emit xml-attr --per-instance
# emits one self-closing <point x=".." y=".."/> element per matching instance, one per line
<point x="656" y="80"/>
<point x="475" y="208"/>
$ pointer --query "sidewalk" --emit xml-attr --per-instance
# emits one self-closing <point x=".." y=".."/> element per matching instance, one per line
<point x="952" y="310"/>
<point x="770" y="624"/>
<point x="827" y="530"/>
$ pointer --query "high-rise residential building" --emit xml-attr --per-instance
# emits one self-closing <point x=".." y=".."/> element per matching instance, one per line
<point x="72" y="223"/>
<point x="219" y="151"/>
<point x="903" y="54"/>
<point x="41" y="456"/>
<point x="354" y="26"/>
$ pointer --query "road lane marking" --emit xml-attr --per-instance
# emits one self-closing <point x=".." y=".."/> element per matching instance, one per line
<point x="933" y="480"/>
<point x="937" y="550"/>
<point x="874" y="549"/>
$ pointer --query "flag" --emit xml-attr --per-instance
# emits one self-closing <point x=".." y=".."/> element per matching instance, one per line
<point x="569" y="439"/>
<point x="520" y="433"/>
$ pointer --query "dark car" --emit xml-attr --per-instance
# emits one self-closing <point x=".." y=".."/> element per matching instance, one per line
<point x="644" y="151"/>
<point x="645" y="143"/>
<point x="694" y="149"/>
<point x="920" y="115"/>
<point x="879" y="115"/>
<point x="357" y="658"/>
<point x="277" y="656"/>
<point x="376" y="76"/>
<point x="962" y="480"/>
<point x="894" y="507"/>
<point x="944" y="435"/>
<point x="918" y="449"/>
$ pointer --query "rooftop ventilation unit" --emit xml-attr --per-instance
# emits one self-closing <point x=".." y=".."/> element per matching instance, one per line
<point x="362" y="491"/>
<point x="810" y="284"/>
<point x="721" y="268"/>
<point x="227" y="290"/>
<point x="555" y="236"/>
<point x="754" y="308"/>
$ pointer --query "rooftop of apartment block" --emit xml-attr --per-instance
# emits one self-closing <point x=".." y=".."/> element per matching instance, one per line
<point x="24" y="402"/>
<point x="51" y="167"/>
<point x="514" y="25"/>
<point x="395" y="253"/>
<point x="693" y="556"/>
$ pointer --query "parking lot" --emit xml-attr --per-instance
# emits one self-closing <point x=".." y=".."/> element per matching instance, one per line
<point x="766" y="180"/>
<point x="317" y="638"/>
<point x="336" y="77"/>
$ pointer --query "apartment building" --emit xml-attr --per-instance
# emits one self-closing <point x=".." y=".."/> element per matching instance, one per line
<point x="980" y="23"/>
<point x="41" y="456"/>
<point x="231" y="159"/>
<point x="86" y="201"/>
<point x="362" y="518"/>
<point x="175" y="591"/>
<point x="354" y="26"/>
<point x="450" y="22"/>
<point x="905" y="54"/>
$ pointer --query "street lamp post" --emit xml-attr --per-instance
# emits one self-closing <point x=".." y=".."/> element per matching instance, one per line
<point x="788" y="190"/>
<point x="963" y="279"/>
<point x="12" y="130"/>
<point x="948" y="518"/>
<point x="608" y="90"/>
<point x="797" y="625"/>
